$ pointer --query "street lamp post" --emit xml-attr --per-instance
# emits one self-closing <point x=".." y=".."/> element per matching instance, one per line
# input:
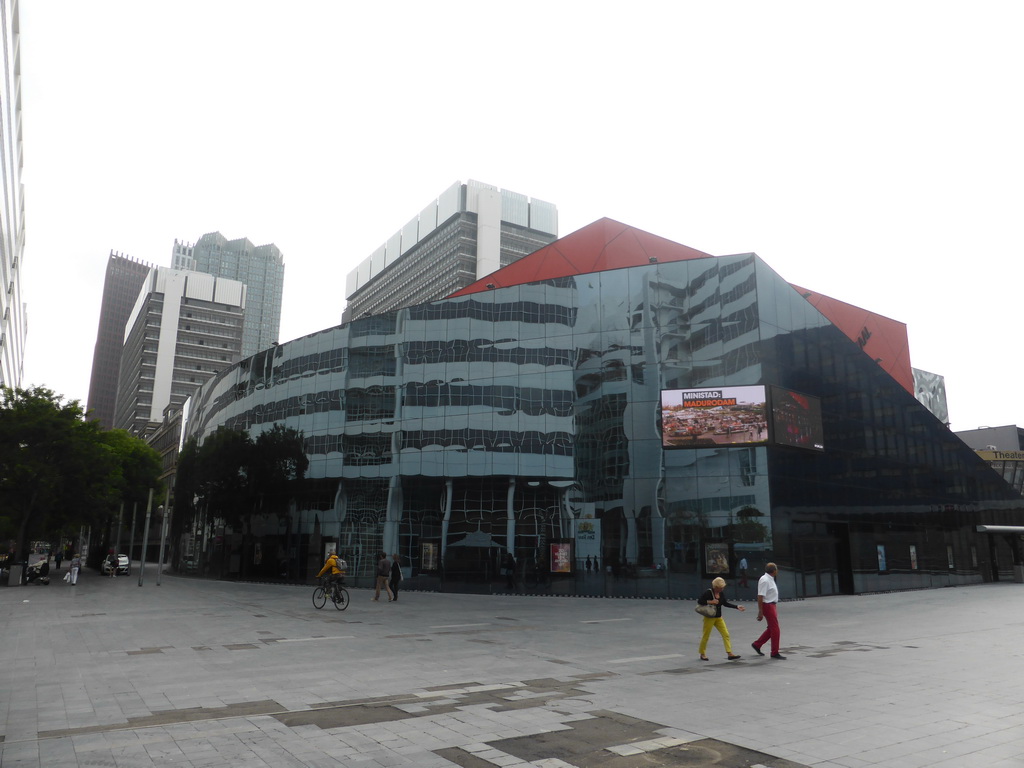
<point x="145" y="537"/>
<point x="163" y="539"/>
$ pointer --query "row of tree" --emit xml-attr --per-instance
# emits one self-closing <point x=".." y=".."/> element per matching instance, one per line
<point x="231" y="478"/>
<point x="60" y="471"/>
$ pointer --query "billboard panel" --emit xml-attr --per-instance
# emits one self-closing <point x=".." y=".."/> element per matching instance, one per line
<point x="713" y="417"/>
<point x="796" y="420"/>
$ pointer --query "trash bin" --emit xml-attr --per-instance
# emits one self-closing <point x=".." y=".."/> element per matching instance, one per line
<point x="14" y="579"/>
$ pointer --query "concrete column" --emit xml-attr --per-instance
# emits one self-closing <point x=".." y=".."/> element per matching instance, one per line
<point x="448" y="492"/>
<point x="510" y="525"/>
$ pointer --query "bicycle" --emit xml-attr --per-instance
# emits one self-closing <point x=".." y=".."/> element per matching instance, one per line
<point x="332" y="589"/>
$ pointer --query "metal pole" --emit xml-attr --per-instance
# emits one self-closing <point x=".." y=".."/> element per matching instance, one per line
<point x="131" y="542"/>
<point x="145" y="537"/>
<point x="163" y="538"/>
<point x="117" y="539"/>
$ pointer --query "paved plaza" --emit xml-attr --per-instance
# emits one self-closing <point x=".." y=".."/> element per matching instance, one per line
<point x="196" y="673"/>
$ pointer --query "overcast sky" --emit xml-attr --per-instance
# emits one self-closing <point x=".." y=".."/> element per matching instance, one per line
<point x="870" y="151"/>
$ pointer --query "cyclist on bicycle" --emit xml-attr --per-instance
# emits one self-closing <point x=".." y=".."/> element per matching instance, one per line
<point x="334" y="569"/>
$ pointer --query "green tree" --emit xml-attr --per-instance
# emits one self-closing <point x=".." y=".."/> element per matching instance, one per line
<point x="231" y="478"/>
<point x="138" y="469"/>
<point x="54" y="468"/>
<point x="277" y="467"/>
<point x="224" y="474"/>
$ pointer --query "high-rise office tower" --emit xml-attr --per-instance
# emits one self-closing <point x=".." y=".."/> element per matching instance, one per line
<point x="13" y="321"/>
<point x="184" y="329"/>
<point x="121" y="287"/>
<point x="471" y="230"/>
<point x="259" y="267"/>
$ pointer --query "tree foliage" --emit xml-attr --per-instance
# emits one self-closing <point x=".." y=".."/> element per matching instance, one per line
<point x="58" y="470"/>
<point x="235" y="477"/>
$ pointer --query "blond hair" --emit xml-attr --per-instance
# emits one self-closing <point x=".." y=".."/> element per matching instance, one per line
<point x="719" y="582"/>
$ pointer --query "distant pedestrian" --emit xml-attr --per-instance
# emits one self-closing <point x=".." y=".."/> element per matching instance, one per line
<point x="743" y="572"/>
<point x="508" y="568"/>
<point x="112" y="564"/>
<point x="396" y="575"/>
<point x="383" y="574"/>
<point x="57" y="558"/>
<point x="76" y="565"/>
<point x="590" y="564"/>
<point x="767" y="599"/>
<point x="716" y="597"/>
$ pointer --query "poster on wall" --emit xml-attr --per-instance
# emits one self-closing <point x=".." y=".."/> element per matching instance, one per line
<point x="428" y="556"/>
<point x="913" y="557"/>
<point x="881" y="558"/>
<point x="588" y="538"/>
<point x="561" y="557"/>
<point x="716" y="559"/>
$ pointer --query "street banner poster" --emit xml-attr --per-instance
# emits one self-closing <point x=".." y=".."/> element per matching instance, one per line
<point x="561" y="557"/>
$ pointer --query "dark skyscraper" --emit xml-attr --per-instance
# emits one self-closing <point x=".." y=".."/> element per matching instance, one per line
<point x="121" y="287"/>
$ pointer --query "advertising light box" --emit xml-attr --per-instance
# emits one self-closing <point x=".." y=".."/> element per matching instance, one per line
<point x="796" y="420"/>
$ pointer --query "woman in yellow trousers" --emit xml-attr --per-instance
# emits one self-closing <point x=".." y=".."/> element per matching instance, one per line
<point x="716" y="597"/>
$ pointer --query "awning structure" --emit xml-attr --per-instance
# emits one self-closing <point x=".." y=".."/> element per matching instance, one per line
<point x="1015" y="539"/>
<point x="1000" y="529"/>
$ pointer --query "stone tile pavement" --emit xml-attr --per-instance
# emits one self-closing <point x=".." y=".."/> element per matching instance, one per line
<point x="194" y="673"/>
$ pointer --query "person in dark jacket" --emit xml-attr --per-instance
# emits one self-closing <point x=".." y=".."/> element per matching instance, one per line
<point x="396" y="575"/>
<point x="508" y="567"/>
<point x="716" y="597"/>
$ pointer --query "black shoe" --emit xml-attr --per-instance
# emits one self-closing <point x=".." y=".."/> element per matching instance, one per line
<point x="756" y="650"/>
<point x="778" y="656"/>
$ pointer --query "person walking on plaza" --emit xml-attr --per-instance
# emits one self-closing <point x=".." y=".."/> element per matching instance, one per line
<point x="76" y="565"/>
<point x="743" y="572"/>
<point x="112" y="564"/>
<point x="57" y="557"/>
<point x="396" y="575"/>
<point x="767" y="599"/>
<point x="334" y="567"/>
<point x="716" y="597"/>
<point x="383" y="574"/>
<point x="508" y="568"/>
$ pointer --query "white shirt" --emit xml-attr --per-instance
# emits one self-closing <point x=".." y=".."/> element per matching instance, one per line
<point x="766" y="588"/>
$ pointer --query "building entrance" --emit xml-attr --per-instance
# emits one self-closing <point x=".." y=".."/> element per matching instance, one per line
<point x="823" y="561"/>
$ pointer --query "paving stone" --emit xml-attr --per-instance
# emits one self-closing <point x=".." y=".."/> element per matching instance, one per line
<point x="893" y="680"/>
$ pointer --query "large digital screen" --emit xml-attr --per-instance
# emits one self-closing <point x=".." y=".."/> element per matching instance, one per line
<point x="713" y="417"/>
<point x="796" y="420"/>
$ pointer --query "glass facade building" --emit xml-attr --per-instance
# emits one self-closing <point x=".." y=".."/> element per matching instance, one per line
<point x="259" y="267"/>
<point x="529" y="417"/>
<point x="13" y="313"/>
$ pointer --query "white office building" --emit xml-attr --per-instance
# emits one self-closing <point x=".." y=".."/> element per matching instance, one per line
<point x="468" y="232"/>
<point x="185" y="328"/>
